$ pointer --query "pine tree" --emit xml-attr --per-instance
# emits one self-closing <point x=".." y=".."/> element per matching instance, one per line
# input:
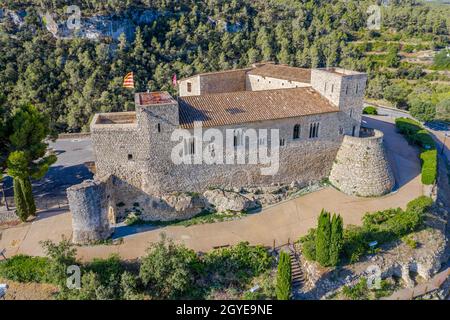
<point x="284" y="274"/>
<point x="337" y="238"/>
<point x="323" y="239"/>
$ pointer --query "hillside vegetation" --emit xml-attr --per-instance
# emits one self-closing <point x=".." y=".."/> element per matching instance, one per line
<point x="70" y="80"/>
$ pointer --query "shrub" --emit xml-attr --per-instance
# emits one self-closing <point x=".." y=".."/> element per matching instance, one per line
<point x="167" y="269"/>
<point x="284" y="274"/>
<point x="420" y="204"/>
<point x="370" y="110"/>
<point x="379" y="217"/>
<point x="415" y="134"/>
<point x="308" y="245"/>
<point x="24" y="268"/>
<point x="355" y="244"/>
<point x="240" y="262"/>
<point x="429" y="166"/>
<point x="61" y="256"/>
<point x="407" y="126"/>
<point x="358" y="292"/>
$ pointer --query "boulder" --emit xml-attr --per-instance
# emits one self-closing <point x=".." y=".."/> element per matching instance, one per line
<point x="224" y="201"/>
<point x="184" y="203"/>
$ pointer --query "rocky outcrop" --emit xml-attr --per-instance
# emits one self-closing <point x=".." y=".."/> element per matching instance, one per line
<point x="188" y="204"/>
<point x="395" y="260"/>
<point x="361" y="167"/>
<point x="226" y="201"/>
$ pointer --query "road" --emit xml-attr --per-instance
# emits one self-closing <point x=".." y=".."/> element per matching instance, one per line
<point x="439" y="130"/>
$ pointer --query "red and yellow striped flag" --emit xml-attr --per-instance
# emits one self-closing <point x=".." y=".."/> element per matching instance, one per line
<point x="128" y="81"/>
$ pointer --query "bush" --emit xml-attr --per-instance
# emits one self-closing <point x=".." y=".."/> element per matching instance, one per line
<point x="240" y="262"/>
<point x="407" y="126"/>
<point x="420" y="204"/>
<point x="429" y="166"/>
<point x="284" y="276"/>
<point x="370" y="110"/>
<point x="167" y="269"/>
<point x="61" y="256"/>
<point x="24" y="268"/>
<point x="358" y="292"/>
<point x="415" y="134"/>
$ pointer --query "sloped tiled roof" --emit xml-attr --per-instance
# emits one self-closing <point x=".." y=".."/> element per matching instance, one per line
<point x="249" y="106"/>
<point x="282" y="72"/>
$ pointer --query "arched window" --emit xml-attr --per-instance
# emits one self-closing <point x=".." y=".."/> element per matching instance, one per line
<point x="296" y="132"/>
<point x="314" y="130"/>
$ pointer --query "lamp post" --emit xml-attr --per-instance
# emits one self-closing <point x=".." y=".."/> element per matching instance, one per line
<point x="443" y="145"/>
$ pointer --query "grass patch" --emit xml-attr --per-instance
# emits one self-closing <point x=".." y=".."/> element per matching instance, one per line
<point x="22" y="268"/>
<point x="203" y="218"/>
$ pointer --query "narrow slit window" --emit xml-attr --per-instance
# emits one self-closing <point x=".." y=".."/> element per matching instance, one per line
<point x="189" y="87"/>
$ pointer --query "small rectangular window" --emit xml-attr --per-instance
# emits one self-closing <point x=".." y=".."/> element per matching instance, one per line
<point x="282" y="142"/>
<point x="130" y="157"/>
<point x="332" y="88"/>
<point x="189" y="87"/>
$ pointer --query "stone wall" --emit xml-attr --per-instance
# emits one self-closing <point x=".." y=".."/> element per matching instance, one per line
<point x="258" y="83"/>
<point x="361" y="167"/>
<point x="216" y="82"/>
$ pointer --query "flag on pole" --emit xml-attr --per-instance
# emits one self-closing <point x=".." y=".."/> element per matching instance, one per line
<point x="174" y="80"/>
<point x="128" y="81"/>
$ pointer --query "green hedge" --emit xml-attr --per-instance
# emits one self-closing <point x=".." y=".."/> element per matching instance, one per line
<point x="22" y="268"/>
<point x="370" y="110"/>
<point x="414" y="133"/>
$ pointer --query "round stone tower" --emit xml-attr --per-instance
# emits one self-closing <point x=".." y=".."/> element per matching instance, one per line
<point x="89" y="205"/>
<point x="361" y="167"/>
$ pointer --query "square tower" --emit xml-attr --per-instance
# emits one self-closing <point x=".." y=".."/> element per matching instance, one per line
<point x="344" y="88"/>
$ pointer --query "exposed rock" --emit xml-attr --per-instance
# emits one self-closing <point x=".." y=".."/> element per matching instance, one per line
<point x="186" y="203"/>
<point x="225" y="201"/>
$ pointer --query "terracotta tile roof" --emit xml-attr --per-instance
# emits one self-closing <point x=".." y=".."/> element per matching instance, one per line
<point x="248" y="106"/>
<point x="283" y="72"/>
<point x="151" y="98"/>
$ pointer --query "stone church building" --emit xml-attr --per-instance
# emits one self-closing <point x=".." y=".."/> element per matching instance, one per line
<point x="317" y="113"/>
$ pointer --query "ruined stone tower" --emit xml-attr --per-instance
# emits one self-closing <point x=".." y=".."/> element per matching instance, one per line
<point x="361" y="167"/>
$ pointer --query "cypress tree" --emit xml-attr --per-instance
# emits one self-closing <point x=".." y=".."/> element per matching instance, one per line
<point x="323" y="239"/>
<point x="28" y="196"/>
<point x="19" y="200"/>
<point x="337" y="239"/>
<point x="284" y="275"/>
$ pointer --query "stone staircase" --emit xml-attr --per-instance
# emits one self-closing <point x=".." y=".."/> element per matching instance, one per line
<point x="298" y="278"/>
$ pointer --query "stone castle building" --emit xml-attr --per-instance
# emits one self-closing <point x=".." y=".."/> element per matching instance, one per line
<point x="317" y="112"/>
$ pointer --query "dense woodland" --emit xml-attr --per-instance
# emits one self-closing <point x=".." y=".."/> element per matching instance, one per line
<point x="70" y="80"/>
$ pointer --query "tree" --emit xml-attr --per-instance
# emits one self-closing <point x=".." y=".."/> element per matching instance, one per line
<point x="397" y="95"/>
<point x="284" y="276"/>
<point x="28" y="159"/>
<point x="422" y="110"/>
<point x="323" y="238"/>
<point x="166" y="270"/>
<point x="443" y="110"/>
<point x="337" y="239"/>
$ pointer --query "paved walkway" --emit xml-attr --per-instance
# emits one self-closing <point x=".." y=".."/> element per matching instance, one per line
<point x="288" y="220"/>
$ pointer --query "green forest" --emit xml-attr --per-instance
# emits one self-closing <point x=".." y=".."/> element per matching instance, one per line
<point x="70" y="80"/>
